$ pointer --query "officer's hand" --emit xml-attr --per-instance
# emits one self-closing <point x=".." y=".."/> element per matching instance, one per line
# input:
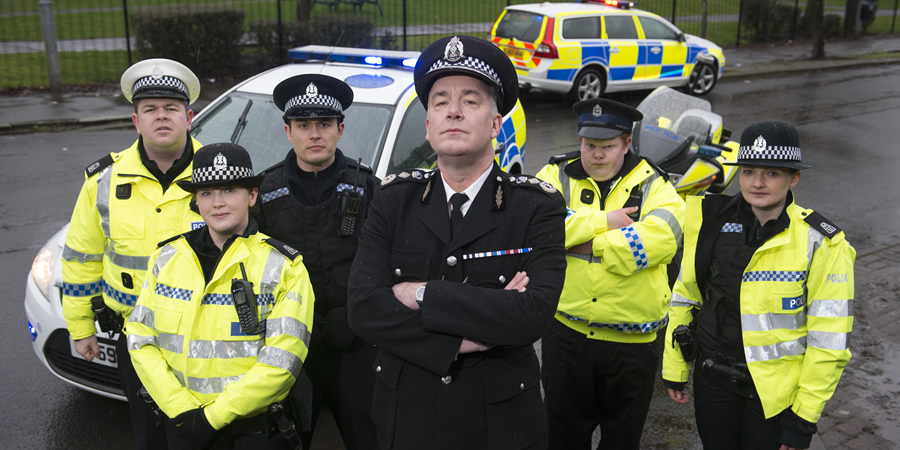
<point x="518" y="282"/>
<point x="468" y="346"/>
<point x="193" y="427"/>
<point x="586" y="248"/>
<point x="619" y="218"/>
<point x="406" y="293"/>
<point x="679" y="396"/>
<point x="88" y="348"/>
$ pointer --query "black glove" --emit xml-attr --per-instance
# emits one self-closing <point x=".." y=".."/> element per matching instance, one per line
<point x="193" y="427"/>
<point x="795" y="431"/>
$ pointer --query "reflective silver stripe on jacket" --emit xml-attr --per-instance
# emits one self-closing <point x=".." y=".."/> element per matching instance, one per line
<point x="68" y="254"/>
<point x="670" y="220"/>
<point x="142" y="315"/>
<point x="280" y="358"/>
<point x="828" y="340"/>
<point x="681" y="301"/>
<point x="125" y="261"/>
<point x="775" y="351"/>
<point x="211" y="385"/>
<point x="831" y="308"/>
<point x="287" y="325"/>
<point x="171" y="342"/>
<point x="224" y="349"/>
<point x="270" y="278"/>
<point x="103" y="183"/>
<point x="773" y="321"/>
<point x="165" y="255"/>
<point x="135" y="342"/>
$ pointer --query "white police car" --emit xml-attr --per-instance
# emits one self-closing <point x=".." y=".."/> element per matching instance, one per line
<point x="596" y="46"/>
<point x="385" y="126"/>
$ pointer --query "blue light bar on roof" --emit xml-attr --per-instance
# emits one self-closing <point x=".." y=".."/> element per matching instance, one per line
<point x="346" y="55"/>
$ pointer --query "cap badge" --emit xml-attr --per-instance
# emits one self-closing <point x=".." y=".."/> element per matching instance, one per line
<point x="220" y="163"/>
<point x="157" y="73"/>
<point x="597" y="112"/>
<point x="454" y="50"/>
<point x="759" y="145"/>
<point x="312" y="90"/>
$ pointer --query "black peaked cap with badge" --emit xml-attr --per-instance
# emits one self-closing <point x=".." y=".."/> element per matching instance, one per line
<point x="220" y="165"/>
<point x="160" y="78"/>
<point x="770" y="144"/>
<point x="467" y="55"/>
<point x="312" y="96"/>
<point x="603" y="119"/>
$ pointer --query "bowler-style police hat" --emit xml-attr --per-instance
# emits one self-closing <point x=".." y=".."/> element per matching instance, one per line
<point x="160" y="78"/>
<point x="770" y="144"/>
<point x="467" y="55"/>
<point x="604" y="119"/>
<point x="219" y="165"/>
<point x="312" y="96"/>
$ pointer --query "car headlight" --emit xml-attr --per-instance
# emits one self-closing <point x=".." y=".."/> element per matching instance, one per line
<point x="42" y="269"/>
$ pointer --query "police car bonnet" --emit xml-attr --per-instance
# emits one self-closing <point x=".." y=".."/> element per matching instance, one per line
<point x="219" y="165"/>
<point x="770" y="144"/>
<point x="160" y="78"/>
<point x="467" y="55"/>
<point x="312" y="96"/>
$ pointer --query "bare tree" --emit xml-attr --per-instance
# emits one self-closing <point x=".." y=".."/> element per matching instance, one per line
<point x="816" y="12"/>
<point x="304" y="10"/>
<point x="704" y="17"/>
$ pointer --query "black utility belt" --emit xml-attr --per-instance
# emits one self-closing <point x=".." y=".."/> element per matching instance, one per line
<point x="726" y="368"/>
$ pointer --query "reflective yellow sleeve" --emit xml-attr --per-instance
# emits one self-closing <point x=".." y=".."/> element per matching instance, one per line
<point x="82" y="262"/>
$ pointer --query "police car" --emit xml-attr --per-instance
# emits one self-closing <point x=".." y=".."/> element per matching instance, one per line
<point x="586" y="49"/>
<point x="385" y="126"/>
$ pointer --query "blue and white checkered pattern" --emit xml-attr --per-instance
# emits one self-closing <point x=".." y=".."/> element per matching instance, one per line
<point x="121" y="297"/>
<point x="211" y="173"/>
<point x="648" y="327"/>
<point x="346" y="187"/>
<point x="471" y="64"/>
<point x="318" y="100"/>
<point x="228" y="300"/>
<point x="733" y="228"/>
<point x="775" y="275"/>
<point x="81" y="290"/>
<point x="276" y="194"/>
<point x="164" y="82"/>
<point x="641" y="260"/>
<point x="772" y="152"/>
<point x="174" y="292"/>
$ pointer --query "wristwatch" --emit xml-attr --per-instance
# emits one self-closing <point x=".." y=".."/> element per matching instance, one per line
<point x="420" y="295"/>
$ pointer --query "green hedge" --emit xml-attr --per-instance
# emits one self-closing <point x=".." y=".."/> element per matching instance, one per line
<point x="205" y="39"/>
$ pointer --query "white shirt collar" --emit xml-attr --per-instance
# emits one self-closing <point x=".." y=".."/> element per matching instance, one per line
<point x="470" y="191"/>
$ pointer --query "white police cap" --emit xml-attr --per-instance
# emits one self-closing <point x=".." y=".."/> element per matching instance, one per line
<point x="160" y="78"/>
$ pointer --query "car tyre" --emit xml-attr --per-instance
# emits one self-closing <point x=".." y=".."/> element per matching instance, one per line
<point x="702" y="79"/>
<point x="589" y="84"/>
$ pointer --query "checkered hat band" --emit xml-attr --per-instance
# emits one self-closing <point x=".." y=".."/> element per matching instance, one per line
<point x="166" y="82"/>
<point x="319" y="101"/>
<point x="211" y="174"/>
<point x="776" y="153"/>
<point x="470" y="63"/>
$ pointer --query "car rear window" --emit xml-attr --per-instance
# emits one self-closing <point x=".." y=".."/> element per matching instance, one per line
<point x="581" y="28"/>
<point x="521" y="25"/>
<point x="620" y="27"/>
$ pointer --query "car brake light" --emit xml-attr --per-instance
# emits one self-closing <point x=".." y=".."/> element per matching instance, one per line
<point x="546" y="49"/>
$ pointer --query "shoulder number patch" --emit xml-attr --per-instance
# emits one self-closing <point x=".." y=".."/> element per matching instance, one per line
<point x="822" y="224"/>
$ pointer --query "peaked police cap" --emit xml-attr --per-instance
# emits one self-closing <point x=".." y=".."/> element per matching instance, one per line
<point x="160" y="78"/>
<point x="770" y="144"/>
<point x="219" y="165"/>
<point x="604" y="119"/>
<point x="312" y="96"/>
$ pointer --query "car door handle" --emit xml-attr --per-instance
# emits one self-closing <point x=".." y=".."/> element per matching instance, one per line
<point x="614" y="50"/>
<point x="655" y="50"/>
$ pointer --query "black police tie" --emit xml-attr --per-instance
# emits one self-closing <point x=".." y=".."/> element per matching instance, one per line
<point x="456" y="215"/>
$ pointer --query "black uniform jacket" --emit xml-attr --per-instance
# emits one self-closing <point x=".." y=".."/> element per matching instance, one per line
<point x="424" y="392"/>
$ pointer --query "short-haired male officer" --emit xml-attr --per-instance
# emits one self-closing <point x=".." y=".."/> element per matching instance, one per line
<point x="459" y="271"/>
<point x="623" y="227"/>
<point x="128" y="204"/>
<point x="316" y="201"/>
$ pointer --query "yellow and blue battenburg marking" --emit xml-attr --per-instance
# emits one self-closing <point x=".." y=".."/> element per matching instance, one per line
<point x="514" y="251"/>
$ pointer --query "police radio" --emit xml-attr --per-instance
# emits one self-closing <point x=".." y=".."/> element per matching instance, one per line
<point x="245" y="303"/>
<point x="348" y="206"/>
<point x="635" y="199"/>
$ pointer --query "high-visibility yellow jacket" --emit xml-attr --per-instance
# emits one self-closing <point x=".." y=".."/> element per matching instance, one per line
<point x="121" y="215"/>
<point x="621" y="292"/>
<point x="796" y="306"/>
<point x="186" y="342"/>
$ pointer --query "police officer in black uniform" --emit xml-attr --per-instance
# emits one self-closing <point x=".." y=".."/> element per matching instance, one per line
<point x="459" y="271"/>
<point x="316" y="201"/>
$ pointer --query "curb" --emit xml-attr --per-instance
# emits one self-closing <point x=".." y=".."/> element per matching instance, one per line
<point x="801" y="66"/>
<point x="29" y="126"/>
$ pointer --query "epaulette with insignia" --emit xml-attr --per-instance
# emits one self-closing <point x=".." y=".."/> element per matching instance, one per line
<point x="407" y="175"/>
<point x="555" y="159"/>
<point x="528" y="180"/>
<point x="822" y="224"/>
<point x="286" y="250"/>
<point x="98" y="165"/>
<point x="163" y="243"/>
<point x="659" y="171"/>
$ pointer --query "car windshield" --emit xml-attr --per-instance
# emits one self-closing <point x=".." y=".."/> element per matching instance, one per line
<point x="521" y="25"/>
<point x="254" y="122"/>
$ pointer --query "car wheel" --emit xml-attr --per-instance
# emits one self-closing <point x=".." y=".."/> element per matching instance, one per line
<point x="702" y="79"/>
<point x="589" y="84"/>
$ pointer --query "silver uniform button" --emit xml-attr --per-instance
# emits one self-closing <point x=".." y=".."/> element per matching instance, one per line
<point x="502" y="279"/>
<point x="378" y="369"/>
<point x="397" y="272"/>
<point x="522" y="386"/>
<point x="447" y="379"/>
<point x="451" y="261"/>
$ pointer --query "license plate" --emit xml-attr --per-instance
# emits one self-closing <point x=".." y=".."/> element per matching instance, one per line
<point x="515" y="53"/>
<point x="107" y="355"/>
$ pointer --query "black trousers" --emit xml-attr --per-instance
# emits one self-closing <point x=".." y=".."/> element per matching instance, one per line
<point x="224" y="440"/>
<point x="589" y="382"/>
<point x="143" y="421"/>
<point x="730" y="416"/>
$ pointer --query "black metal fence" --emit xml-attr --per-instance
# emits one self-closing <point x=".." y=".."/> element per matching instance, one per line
<point x="95" y="39"/>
